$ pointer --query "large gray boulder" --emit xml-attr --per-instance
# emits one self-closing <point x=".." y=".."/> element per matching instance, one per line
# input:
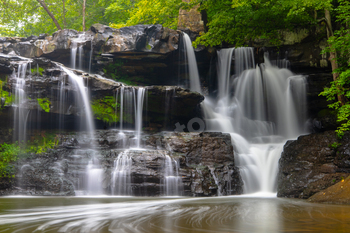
<point x="313" y="163"/>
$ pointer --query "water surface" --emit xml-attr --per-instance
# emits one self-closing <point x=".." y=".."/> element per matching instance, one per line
<point x="130" y="214"/>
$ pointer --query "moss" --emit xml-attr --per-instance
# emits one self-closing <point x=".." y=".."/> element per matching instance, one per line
<point x="44" y="104"/>
<point x="38" y="71"/>
<point x="6" y="96"/>
<point x="105" y="108"/>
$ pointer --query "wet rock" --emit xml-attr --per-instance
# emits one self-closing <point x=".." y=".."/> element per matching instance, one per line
<point x="338" y="193"/>
<point x="203" y="169"/>
<point x="313" y="163"/>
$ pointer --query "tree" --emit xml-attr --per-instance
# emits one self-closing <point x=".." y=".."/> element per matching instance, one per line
<point x="30" y="17"/>
<point x="163" y="12"/>
<point x="339" y="90"/>
<point x="42" y="3"/>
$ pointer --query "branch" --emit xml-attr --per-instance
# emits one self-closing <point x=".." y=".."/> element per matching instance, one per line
<point x="42" y="3"/>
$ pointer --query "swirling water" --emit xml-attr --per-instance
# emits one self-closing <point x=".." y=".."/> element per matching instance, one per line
<point x="130" y="214"/>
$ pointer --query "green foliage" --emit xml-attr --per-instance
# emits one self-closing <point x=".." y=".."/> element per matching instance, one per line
<point x="44" y="104"/>
<point x="5" y="95"/>
<point x="335" y="145"/>
<point x="41" y="143"/>
<point x="28" y="17"/>
<point x="105" y="109"/>
<point x="340" y="44"/>
<point x="163" y="12"/>
<point x="38" y="71"/>
<point x="240" y="22"/>
<point x="8" y="155"/>
<point x="113" y="70"/>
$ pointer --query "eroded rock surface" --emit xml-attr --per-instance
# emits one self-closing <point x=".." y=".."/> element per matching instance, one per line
<point x="206" y="165"/>
<point x="313" y="163"/>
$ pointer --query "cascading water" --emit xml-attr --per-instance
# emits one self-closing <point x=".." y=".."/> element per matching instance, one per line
<point x="172" y="180"/>
<point x="139" y="110"/>
<point x="121" y="180"/>
<point x="131" y="110"/>
<point x="20" y="114"/>
<point x="191" y="59"/>
<point x="94" y="176"/>
<point x="261" y="107"/>
<point x="88" y="123"/>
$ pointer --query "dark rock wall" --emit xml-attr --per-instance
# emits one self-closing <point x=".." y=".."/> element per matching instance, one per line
<point x="313" y="163"/>
<point x="206" y="165"/>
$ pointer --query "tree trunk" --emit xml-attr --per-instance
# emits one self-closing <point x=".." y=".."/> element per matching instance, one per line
<point x="42" y="3"/>
<point x="64" y="14"/>
<point x="333" y="55"/>
<point x="84" y="5"/>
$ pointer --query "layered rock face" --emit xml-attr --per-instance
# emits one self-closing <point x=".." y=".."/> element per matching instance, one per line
<point x="164" y="105"/>
<point x="205" y="165"/>
<point x="142" y="54"/>
<point x="313" y="163"/>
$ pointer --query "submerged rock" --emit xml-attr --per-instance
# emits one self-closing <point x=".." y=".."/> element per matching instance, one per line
<point x="313" y="163"/>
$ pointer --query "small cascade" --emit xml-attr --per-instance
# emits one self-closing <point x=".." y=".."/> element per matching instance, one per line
<point x="73" y="54"/>
<point x="20" y="114"/>
<point x="94" y="177"/>
<point x="131" y="110"/>
<point x="139" y="110"/>
<point x="80" y="55"/>
<point x="77" y="47"/>
<point x="121" y="180"/>
<point x="195" y="84"/>
<point x="63" y="96"/>
<point x="172" y="180"/>
<point x="83" y="101"/>
<point x="91" y="53"/>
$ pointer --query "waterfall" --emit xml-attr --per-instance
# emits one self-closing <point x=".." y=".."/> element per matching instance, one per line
<point x="20" y="114"/>
<point x="94" y="177"/>
<point x="91" y="53"/>
<point x="80" y="53"/>
<point x="139" y="110"/>
<point x="131" y="109"/>
<point x="121" y="180"/>
<point x="73" y="54"/>
<point x="261" y="107"/>
<point x="193" y="70"/>
<point x="83" y="100"/>
<point x="172" y="180"/>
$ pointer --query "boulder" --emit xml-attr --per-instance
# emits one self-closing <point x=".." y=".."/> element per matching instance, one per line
<point x="313" y="163"/>
<point x="335" y="194"/>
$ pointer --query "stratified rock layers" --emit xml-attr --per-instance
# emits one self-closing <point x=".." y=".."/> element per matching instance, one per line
<point x="206" y="165"/>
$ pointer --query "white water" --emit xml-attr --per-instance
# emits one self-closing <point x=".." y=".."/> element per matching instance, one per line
<point x="261" y="106"/>
<point x="94" y="177"/>
<point x="131" y="109"/>
<point x="139" y="110"/>
<point x="172" y="180"/>
<point x="83" y="100"/>
<point x="20" y="114"/>
<point x="121" y="180"/>
<point x="193" y="70"/>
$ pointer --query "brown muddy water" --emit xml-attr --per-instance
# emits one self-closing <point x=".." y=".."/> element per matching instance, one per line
<point x="246" y="214"/>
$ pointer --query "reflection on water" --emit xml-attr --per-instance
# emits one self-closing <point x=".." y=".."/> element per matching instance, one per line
<point x="223" y="214"/>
